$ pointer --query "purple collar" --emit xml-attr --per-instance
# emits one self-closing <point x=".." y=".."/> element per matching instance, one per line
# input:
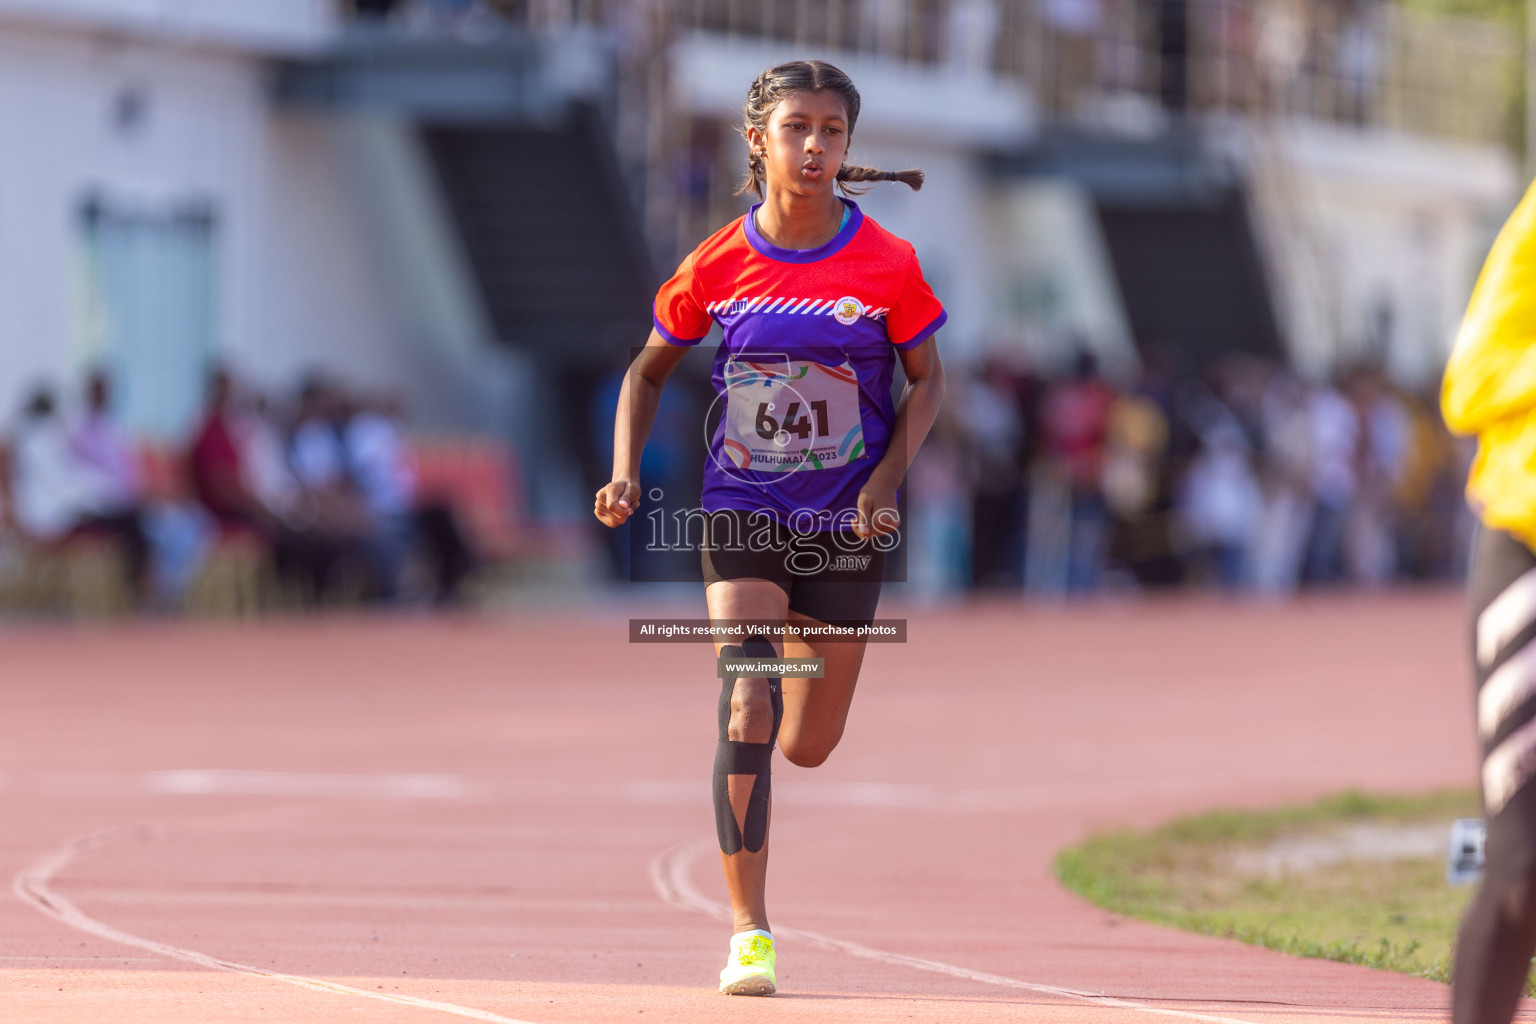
<point x="832" y="248"/>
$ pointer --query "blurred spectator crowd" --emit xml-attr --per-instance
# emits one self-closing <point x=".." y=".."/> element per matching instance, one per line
<point x="1244" y="477"/>
<point x="320" y="486"/>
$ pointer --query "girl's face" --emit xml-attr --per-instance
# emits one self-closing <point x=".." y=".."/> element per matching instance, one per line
<point x="805" y="142"/>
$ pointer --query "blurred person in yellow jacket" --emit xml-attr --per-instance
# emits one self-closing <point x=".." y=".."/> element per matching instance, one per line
<point x="1490" y="391"/>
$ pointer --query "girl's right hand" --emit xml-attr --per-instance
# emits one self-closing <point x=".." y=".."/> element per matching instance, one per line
<point x="617" y="502"/>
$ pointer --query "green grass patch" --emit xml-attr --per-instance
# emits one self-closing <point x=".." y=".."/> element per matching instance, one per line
<point x="1399" y="914"/>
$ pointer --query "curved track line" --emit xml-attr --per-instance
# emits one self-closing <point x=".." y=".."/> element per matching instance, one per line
<point x="670" y="873"/>
<point x="33" y="886"/>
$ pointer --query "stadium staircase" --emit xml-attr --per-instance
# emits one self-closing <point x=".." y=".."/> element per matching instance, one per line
<point x="551" y="237"/>
<point x="1190" y="276"/>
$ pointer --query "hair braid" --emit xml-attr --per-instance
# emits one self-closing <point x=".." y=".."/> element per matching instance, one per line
<point x="913" y="178"/>
<point x="808" y="76"/>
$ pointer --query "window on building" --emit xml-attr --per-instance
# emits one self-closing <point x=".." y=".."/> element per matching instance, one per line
<point x="150" y="305"/>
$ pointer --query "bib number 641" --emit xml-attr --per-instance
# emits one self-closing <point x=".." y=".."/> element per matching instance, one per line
<point x="794" y="421"/>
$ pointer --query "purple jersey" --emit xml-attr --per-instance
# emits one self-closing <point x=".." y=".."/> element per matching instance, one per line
<point x="804" y="374"/>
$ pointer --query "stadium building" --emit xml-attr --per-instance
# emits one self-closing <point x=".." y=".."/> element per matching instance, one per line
<point x="471" y="201"/>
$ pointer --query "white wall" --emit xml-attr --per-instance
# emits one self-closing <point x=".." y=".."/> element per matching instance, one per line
<point x="274" y="26"/>
<point x="321" y="303"/>
<point x="1383" y="218"/>
<point x="942" y="222"/>
<point x="301" y="283"/>
<point x="362" y="276"/>
<point x="1054" y="286"/>
<point x="194" y="142"/>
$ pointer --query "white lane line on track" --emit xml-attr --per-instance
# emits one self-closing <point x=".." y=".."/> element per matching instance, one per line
<point x="33" y="886"/>
<point x="82" y="959"/>
<point x="194" y="782"/>
<point x="201" y="781"/>
<point x="490" y="903"/>
<point x="670" y="875"/>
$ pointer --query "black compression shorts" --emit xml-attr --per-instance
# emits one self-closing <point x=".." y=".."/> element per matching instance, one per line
<point x="830" y="576"/>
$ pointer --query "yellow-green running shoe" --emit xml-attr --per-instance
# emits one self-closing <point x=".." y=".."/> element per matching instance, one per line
<point x="749" y="971"/>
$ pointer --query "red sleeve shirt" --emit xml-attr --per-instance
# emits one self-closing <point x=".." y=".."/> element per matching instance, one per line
<point x="805" y="368"/>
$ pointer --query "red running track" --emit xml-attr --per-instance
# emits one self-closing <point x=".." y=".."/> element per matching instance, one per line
<point x="508" y="819"/>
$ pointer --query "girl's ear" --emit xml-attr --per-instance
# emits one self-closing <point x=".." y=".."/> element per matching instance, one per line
<point x="755" y="140"/>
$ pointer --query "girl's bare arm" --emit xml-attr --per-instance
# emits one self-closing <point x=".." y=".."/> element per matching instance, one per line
<point x="638" y="399"/>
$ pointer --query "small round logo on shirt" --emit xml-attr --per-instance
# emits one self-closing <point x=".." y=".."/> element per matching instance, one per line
<point x="847" y="310"/>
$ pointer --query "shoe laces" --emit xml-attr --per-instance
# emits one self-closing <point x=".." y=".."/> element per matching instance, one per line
<point x="754" y="951"/>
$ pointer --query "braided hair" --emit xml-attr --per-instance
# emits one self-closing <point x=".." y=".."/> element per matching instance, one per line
<point x="809" y="76"/>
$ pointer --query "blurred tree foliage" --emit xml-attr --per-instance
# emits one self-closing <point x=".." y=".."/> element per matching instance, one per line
<point x="1511" y="15"/>
<point x="1511" y="12"/>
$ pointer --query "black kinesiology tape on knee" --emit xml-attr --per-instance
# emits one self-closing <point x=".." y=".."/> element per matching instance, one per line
<point x="733" y="757"/>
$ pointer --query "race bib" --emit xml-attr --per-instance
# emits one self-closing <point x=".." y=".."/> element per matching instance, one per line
<point x="783" y="416"/>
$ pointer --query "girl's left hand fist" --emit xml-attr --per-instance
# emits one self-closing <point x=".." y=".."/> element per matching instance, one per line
<point x="877" y="511"/>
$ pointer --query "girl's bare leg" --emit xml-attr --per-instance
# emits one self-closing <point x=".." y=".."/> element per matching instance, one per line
<point x="815" y="712"/>
<point x="751" y="721"/>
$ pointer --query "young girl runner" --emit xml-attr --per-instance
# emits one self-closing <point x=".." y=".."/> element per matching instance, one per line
<point x="1490" y="391"/>
<point x="817" y="302"/>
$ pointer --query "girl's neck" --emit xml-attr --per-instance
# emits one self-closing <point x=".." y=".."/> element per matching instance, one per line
<point x="792" y="221"/>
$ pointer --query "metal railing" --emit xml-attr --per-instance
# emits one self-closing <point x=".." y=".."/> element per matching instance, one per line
<point x="1373" y="65"/>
